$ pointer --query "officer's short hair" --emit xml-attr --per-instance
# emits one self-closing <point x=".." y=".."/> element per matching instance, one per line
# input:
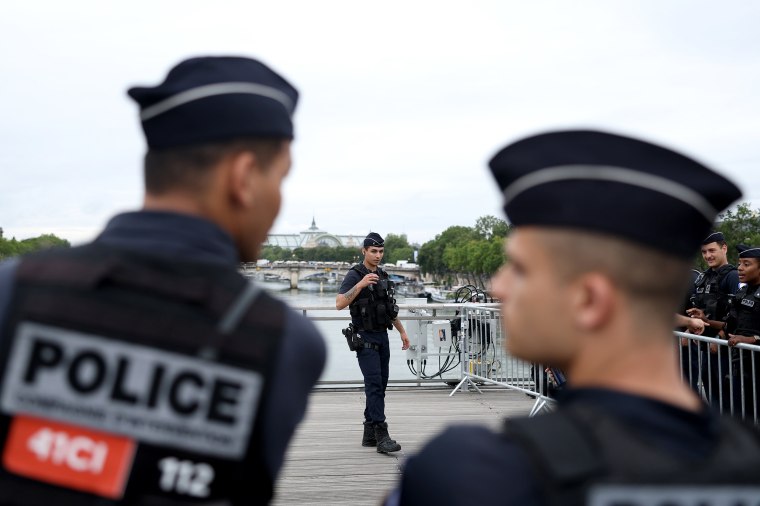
<point x="186" y="167"/>
<point x="654" y="281"/>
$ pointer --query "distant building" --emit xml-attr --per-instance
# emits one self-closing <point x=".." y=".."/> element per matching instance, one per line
<point x="312" y="238"/>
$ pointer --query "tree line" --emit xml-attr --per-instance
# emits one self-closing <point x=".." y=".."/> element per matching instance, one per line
<point x="12" y="247"/>
<point x="472" y="253"/>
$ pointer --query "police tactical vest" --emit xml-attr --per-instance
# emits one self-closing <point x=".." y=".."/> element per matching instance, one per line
<point x="708" y="295"/>
<point x="582" y="453"/>
<point x="375" y="306"/>
<point x="128" y="379"/>
<point x="745" y="312"/>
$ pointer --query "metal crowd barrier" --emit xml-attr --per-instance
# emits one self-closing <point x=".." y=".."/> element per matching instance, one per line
<point x="469" y="336"/>
<point x="727" y="378"/>
<point x="486" y="361"/>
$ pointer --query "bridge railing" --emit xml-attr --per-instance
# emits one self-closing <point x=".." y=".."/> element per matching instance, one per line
<point x="430" y="359"/>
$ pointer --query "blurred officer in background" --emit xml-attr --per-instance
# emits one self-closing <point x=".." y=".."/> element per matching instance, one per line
<point x="143" y="368"/>
<point x="369" y="294"/>
<point x="605" y="231"/>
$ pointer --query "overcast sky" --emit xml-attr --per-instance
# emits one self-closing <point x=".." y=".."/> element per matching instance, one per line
<point x="402" y="102"/>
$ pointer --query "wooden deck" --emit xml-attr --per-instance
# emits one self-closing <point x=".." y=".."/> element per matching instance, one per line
<point x="326" y="463"/>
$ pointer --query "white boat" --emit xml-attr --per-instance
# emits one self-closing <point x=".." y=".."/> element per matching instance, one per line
<point x="269" y="281"/>
<point x="438" y="294"/>
<point x="320" y="282"/>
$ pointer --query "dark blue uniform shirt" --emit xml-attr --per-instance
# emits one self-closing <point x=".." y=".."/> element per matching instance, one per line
<point x="303" y="353"/>
<point x="475" y="465"/>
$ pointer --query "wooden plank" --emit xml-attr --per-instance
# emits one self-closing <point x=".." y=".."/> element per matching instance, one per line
<point x="326" y="463"/>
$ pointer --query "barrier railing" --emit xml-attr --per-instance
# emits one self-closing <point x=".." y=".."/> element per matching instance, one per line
<point x="467" y="341"/>
<point x="726" y="377"/>
<point x="486" y="361"/>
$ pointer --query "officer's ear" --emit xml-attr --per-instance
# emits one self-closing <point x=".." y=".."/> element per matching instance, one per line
<point x="242" y="172"/>
<point x="594" y="298"/>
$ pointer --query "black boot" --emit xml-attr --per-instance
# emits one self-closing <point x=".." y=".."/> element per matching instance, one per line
<point x="368" y="439"/>
<point x="384" y="442"/>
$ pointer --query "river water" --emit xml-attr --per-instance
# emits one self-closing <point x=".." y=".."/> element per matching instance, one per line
<point x="341" y="362"/>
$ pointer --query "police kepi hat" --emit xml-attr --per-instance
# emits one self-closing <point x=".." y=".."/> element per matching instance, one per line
<point x="748" y="251"/>
<point x="714" y="237"/>
<point x="614" y="185"/>
<point x="210" y="98"/>
<point x="374" y="239"/>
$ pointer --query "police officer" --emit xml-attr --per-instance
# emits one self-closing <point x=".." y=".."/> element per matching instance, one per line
<point x="743" y="326"/>
<point x="590" y="249"/>
<point x="368" y="293"/>
<point x="713" y="290"/>
<point x="143" y="368"/>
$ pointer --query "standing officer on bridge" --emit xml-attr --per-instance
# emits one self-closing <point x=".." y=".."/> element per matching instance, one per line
<point x="605" y="231"/>
<point x="143" y="368"/>
<point x="368" y="292"/>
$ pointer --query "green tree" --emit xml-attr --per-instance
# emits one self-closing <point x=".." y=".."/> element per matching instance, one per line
<point x="12" y="247"/>
<point x="431" y="256"/>
<point x="472" y="253"/>
<point x="740" y="227"/>
<point x="491" y="226"/>
<point x="397" y="248"/>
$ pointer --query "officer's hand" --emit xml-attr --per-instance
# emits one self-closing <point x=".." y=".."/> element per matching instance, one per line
<point x="695" y="312"/>
<point x="713" y="348"/>
<point x="404" y="341"/>
<point x="733" y="340"/>
<point x="369" y="279"/>
<point x="696" y="326"/>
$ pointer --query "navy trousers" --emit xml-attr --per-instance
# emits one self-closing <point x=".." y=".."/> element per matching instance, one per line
<point x="374" y="366"/>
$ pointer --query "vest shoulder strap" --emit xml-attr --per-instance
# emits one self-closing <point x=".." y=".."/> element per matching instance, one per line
<point x="361" y="269"/>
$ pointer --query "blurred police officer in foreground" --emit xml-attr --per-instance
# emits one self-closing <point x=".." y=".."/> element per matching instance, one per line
<point x="143" y="368"/>
<point x="368" y="292"/>
<point x="605" y="230"/>
<point x="712" y="291"/>
<point x="743" y="327"/>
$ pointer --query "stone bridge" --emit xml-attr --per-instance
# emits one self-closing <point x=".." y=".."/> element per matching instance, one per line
<point x="296" y="271"/>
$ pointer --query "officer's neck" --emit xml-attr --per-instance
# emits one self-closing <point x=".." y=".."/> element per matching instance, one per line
<point x="369" y="267"/>
<point x="719" y="266"/>
<point x="623" y="360"/>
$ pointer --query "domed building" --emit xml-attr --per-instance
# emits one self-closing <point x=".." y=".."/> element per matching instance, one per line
<point x="313" y="237"/>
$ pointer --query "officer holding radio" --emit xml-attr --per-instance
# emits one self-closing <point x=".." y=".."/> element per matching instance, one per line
<point x="368" y="293"/>
<point x="142" y="368"/>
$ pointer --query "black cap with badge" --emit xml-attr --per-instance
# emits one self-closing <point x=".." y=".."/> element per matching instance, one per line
<point x="216" y="98"/>
<point x="373" y="239"/>
<point x="607" y="183"/>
